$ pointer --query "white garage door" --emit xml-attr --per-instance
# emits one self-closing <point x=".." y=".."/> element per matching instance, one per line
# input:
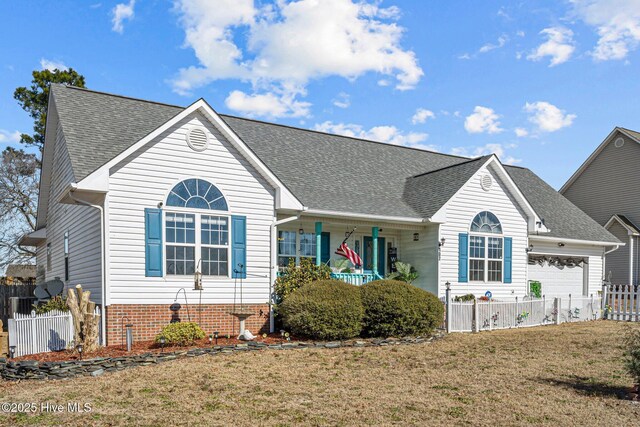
<point x="558" y="281"/>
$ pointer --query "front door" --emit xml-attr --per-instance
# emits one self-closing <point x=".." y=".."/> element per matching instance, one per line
<point x="367" y="255"/>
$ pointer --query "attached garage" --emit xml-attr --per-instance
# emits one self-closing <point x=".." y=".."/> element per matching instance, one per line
<point x="559" y="275"/>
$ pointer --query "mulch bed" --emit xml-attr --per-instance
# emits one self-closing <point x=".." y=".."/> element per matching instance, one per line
<point x="141" y="347"/>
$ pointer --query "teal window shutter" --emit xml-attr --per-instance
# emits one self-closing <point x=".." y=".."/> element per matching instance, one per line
<point x="153" y="242"/>
<point x="239" y="247"/>
<point x="508" y="244"/>
<point x="463" y="258"/>
<point x="325" y="247"/>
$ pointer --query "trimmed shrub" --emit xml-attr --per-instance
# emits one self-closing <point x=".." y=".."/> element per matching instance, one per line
<point x="58" y="303"/>
<point x="295" y="277"/>
<point x="181" y="333"/>
<point x="394" y="308"/>
<point x="464" y="298"/>
<point x="325" y="309"/>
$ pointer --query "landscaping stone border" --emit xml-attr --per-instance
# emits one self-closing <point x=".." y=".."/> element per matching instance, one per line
<point x="34" y="370"/>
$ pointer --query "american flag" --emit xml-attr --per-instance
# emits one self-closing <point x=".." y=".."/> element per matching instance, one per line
<point x="349" y="254"/>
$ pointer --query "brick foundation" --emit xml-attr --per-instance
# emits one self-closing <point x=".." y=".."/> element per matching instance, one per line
<point x="149" y="319"/>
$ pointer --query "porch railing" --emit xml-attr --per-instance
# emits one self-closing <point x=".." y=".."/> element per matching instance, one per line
<point x="351" y="278"/>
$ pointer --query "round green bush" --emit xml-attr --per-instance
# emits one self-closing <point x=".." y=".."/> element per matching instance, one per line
<point x="394" y="308"/>
<point x="325" y="309"/>
<point x="181" y="333"/>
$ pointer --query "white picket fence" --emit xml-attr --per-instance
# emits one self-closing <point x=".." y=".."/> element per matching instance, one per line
<point x="622" y="302"/>
<point x="41" y="333"/>
<point x="478" y="315"/>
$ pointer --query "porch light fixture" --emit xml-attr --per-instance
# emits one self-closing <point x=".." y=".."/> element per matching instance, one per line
<point x="416" y="237"/>
<point x="301" y="231"/>
<point x="561" y="245"/>
<point x="442" y="242"/>
<point x="12" y="351"/>
<point x="529" y="249"/>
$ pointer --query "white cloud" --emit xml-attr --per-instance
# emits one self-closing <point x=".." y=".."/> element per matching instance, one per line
<point x="342" y="100"/>
<point x="387" y="134"/>
<point x="482" y="120"/>
<point x="52" y="65"/>
<point x="122" y="12"/>
<point x="8" y="137"/>
<point x="617" y="22"/>
<point x="483" y="150"/>
<point x="521" y="132"/>
<point x="547" y="117"/>
<point x="267" y="104"/>
<point x="287" y="44"/>
<point x="502" y="40"/>
<point x="422" y="115"/>
<point x="520" y="33"/>
<point x="559" y="46"/>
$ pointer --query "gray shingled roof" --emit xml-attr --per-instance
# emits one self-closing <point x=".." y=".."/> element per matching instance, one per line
<point x="97" y="127"/>
<point x="562" y="217"/>
<point x="323" y="171"/>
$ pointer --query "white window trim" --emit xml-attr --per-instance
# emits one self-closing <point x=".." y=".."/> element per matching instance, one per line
<point x="198" y="241"/>
<point x="486" y="258"/>
<point x="298" y="255"/>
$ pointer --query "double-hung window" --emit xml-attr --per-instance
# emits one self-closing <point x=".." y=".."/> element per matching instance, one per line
<point x="196" y="237"/>
<point x="286" y="247"/>
<point x="308" y="246"/>
<point x="486" y="249"/>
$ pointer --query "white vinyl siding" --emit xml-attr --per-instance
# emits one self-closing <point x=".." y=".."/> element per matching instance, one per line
<point x="145" y="179"/>
<point x="423" y="255"/>
<point x="83" y="225"/>
<point x="460" y="212"/>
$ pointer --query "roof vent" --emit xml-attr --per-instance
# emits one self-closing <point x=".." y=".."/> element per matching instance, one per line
<point x="486" y="182"/>
<point x="197" y="139"/>
<point x="619" y="142"/>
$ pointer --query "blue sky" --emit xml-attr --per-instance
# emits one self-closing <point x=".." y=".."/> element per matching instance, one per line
<point x="541" y="83"/>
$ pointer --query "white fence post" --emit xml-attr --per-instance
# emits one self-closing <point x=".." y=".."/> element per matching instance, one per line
<point x="476" y="326"/>
<point x="603" y="303"/>
<point x="557" y="305"/>
<point x="490" y="315"/>
<point x="448" y="306"/>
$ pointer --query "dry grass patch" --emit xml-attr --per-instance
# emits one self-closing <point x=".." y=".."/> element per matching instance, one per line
<point x="570" y="374"/>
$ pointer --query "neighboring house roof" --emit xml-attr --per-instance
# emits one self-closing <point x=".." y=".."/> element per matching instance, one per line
<point x="26" y="271"/>
<point x="625" y="222"/>
<point x="633" y="135"/>
<point x="324" y="171"/>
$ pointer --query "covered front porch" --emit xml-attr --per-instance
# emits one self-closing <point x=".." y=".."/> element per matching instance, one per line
<point x="379" y="244"/>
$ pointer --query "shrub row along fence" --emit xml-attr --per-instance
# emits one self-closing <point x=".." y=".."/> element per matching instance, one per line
<point x="622" y="302"/>
<point x="479" y="315"/>
<point x="41" y="333"/>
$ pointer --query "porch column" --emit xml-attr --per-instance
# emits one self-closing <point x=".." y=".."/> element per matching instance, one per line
<point x="318" y="243"/>
<point x="374" y="255"/>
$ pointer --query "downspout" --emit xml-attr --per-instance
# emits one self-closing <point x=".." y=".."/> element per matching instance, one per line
<point x="274" y="261"/>
<point x="604" y="261"/>
<point x="103" y="321"/>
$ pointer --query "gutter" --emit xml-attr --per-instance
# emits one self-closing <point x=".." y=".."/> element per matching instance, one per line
<point x="337" y="214"/>
<point x="578" y="241"/>
<point x="103" y="321"/>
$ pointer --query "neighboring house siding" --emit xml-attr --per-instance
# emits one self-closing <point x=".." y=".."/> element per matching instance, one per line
<point x="145" y="178"/>
<point x="460" y="211"/>
<point x="83" y="225"/>
<point x="41" y="262"/>
<point x="610" y="184"/>
<point x="423" y="255"/>
<point x="593" y="253"/>
<point x="617" y="262"/>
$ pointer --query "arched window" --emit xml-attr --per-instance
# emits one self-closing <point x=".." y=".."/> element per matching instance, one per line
<point x="197" y="239"/>
<point x="485" y="252"/>
<point x="197" y="194"/>
<point x="486" y="222"/>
